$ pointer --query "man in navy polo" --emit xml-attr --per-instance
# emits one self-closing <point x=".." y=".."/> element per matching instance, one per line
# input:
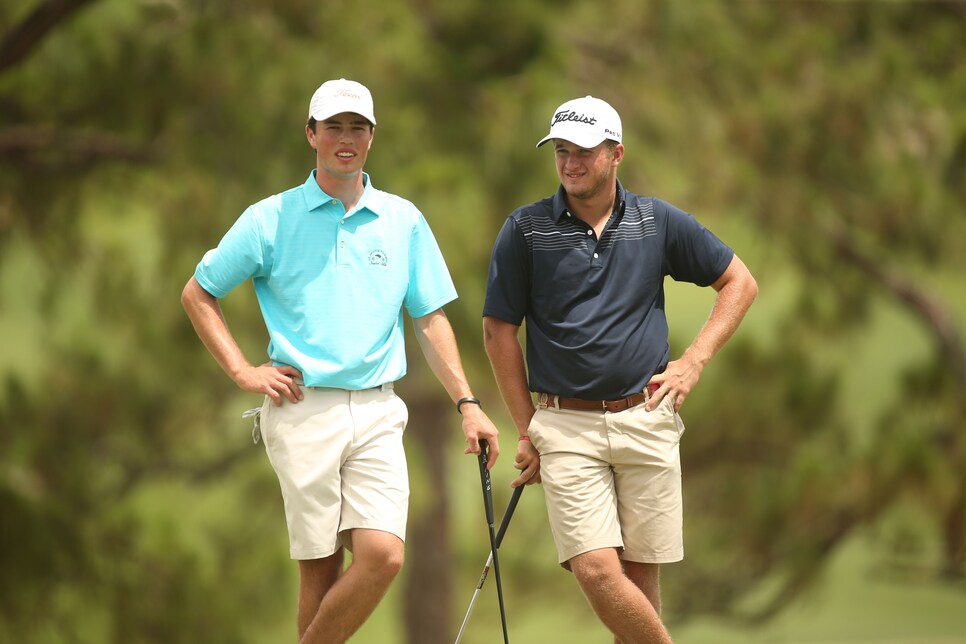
<point x="585" y="268"/>
<point x="334" y="262"/>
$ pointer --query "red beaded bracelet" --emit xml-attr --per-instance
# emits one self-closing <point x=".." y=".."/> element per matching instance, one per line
<point x="524" y="438"/>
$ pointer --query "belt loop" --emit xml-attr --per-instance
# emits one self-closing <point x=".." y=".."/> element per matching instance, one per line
<point x="386" y="386"/>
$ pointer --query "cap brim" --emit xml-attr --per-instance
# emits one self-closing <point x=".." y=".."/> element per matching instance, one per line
<point x="321" y="115"/>
<point x="581" y="140"/>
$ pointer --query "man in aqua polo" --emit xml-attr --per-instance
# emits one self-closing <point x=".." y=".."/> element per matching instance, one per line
<point x="334" y="262"/>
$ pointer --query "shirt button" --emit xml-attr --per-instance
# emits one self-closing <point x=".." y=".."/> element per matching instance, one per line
<point x="335" y="201"/>
<point x="596" y="256"/>
<point x="590" y="232"/>
<point x="342" y="222"/>
<point x="341" y="244"/>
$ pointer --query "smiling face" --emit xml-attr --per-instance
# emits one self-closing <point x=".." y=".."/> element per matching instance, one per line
<point x="341" y="145"/>
<point x="587" y="172"/>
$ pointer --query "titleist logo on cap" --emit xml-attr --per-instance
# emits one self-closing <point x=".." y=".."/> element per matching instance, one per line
<point x="570" y="115"/>
<point x="585" y="122"/>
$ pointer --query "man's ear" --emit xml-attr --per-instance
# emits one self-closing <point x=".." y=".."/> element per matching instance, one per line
<point x="618" y="153"/>
<point x="310" y="135"/>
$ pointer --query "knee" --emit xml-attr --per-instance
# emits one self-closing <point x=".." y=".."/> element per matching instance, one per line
<point x="321" y="573"/>
<point x="383" y="559"/>
<point x="390" y="560"/>
<point x="594" y="571"/>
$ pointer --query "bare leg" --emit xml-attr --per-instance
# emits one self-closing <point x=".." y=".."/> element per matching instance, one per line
<point x="617" y="601"/>
<point x="316" y="577"/>
<point x="647" y="577"/>
<point x="377" y="558"/>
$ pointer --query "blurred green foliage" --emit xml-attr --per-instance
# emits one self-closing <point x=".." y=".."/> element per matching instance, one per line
<point x="825" y="141"/>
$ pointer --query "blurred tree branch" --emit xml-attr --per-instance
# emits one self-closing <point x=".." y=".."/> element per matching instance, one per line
<point x="195" y="473"/>
<point x="29" y="143"/>
<point x="937" y="318"/>
<point x="23" y="37"/>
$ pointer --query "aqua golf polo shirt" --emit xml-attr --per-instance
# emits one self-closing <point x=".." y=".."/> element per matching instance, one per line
<point x="596" y="327"/>
<point x="332" y="284"/>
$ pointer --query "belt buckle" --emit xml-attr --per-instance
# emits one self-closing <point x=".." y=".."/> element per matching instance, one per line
<point x="543" y="401"/>
<point x="616" y="406"/>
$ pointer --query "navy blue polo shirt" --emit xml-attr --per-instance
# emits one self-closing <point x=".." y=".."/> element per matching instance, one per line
<point x="594" y="308"/>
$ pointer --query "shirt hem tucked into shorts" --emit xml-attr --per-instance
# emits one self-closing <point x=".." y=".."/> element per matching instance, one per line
<point x="339" y="458"/>
<point x="612" y="480"/>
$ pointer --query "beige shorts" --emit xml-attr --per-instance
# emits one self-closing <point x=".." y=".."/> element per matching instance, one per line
<point x="340" y="463"/>
<point x="612" y="480"/>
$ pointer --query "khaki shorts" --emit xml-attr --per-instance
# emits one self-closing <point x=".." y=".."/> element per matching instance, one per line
<point x="612" y="480"/>
<point x="340" y="463"/>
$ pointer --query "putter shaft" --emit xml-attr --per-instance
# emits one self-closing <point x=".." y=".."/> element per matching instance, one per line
<point x="488" y="505"/>
<point x="507" y="514"/>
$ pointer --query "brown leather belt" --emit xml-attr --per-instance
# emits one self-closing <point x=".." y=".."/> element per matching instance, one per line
<point x="579" y="404"/>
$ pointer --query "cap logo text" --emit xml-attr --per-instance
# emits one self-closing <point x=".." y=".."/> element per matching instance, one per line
<point x="570" y="115"/>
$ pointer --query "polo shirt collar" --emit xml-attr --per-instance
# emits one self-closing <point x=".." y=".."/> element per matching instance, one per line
<point x="315" y="197"/>
<point x="560" y="201"/>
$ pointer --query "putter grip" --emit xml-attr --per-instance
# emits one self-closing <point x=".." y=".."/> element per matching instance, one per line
<point x="487" y="487"/>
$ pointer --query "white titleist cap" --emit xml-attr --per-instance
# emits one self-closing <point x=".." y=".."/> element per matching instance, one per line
<point x="338" y="96"/>
<point x="585" y="122"/>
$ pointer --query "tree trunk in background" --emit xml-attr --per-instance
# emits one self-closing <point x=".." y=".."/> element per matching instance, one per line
<point x="429" y="580"/>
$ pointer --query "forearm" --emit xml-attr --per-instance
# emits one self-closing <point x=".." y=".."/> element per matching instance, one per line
<point x="737" y="290"/>
<point x="506" y="358"/>
<point x="209" y="323"/>
<point x="438" y="344"/>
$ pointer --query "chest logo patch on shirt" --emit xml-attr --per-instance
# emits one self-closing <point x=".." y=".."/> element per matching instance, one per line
<point x="378" y="258"/>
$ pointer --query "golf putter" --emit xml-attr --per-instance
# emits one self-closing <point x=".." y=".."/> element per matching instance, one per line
<point x="507" y="514"/>
<point x="488" y="506"/>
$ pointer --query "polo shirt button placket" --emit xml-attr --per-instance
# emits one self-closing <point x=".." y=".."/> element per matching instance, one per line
<point x="591" y="246"/>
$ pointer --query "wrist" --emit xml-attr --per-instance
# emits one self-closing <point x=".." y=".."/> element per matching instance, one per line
<point x="467" y="400"/>
<point x="524" y="438"/>
<point x="695" y="358"/>
<point x="237" y="371"/>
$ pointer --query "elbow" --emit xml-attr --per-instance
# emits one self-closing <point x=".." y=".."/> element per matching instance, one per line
<point x="745" y="284"/>
<point x="499" y="336"/>
<point x="192" y="295"/>
<point x="751" y="289"/>
<point x="488" y="335"/>
<point x="493" y="332"/>
<point x="186" y="295"/>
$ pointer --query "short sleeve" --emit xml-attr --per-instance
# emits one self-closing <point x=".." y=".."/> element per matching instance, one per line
<point x="430" y="284"/>
<point x="508" y="279"/>
<point x="239" y="256"/>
